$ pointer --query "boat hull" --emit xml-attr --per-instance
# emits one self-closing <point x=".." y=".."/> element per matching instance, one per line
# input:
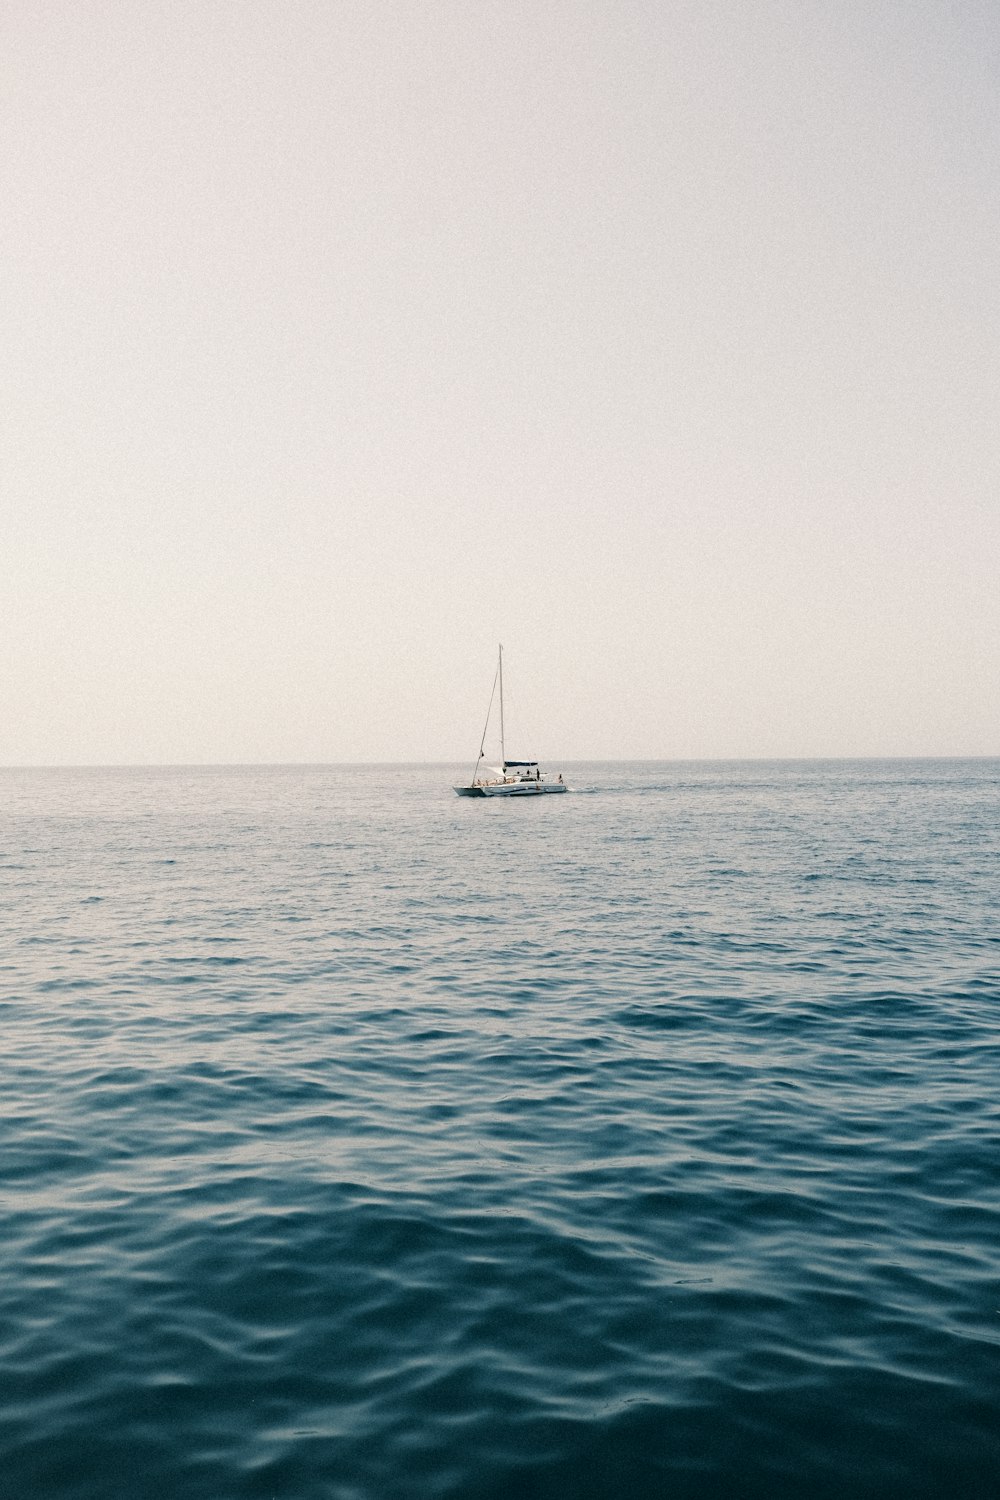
<point x="511" y="789"/>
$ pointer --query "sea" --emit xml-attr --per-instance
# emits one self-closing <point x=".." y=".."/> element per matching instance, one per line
<point x="359" y="1141"/>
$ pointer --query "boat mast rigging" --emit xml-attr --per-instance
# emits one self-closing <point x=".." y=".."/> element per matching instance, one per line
<point x="503" y="752"/>
<point x="482" y="743"/>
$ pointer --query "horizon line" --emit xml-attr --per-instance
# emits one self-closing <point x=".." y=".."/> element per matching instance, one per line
<point x="234" y="765"/>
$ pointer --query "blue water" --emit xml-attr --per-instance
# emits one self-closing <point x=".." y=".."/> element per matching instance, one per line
<point x="361" y="1141"/>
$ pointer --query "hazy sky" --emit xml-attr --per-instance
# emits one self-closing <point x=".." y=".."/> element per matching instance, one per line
<point x="657" y="339"/>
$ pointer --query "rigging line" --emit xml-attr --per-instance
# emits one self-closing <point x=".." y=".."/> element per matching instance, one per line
<point x="482" y="743"/>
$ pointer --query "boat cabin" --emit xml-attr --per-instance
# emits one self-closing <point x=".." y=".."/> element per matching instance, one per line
<point x="524" y="770"/>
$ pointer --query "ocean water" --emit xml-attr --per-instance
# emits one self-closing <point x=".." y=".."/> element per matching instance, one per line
<point x="361" y="1141"/>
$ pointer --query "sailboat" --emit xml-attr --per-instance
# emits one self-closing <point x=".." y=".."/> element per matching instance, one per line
<point x="513" y="778"/>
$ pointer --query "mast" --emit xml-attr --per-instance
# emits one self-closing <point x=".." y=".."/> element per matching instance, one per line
<point x="503" y="753"/>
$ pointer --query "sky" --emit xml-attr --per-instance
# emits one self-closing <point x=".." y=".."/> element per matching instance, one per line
<point x="341" y="341"/>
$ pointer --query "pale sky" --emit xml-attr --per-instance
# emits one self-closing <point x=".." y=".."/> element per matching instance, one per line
<point x="655" y="338"/>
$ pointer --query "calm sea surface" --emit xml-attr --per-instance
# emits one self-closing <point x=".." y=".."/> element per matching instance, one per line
<point x="358" y="1141"/>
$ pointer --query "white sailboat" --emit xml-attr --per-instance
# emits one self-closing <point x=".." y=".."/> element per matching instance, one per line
<point x="512" y="778"/>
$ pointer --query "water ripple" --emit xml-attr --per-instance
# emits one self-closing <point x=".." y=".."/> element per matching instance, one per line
<point x="358" y="1142"/>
